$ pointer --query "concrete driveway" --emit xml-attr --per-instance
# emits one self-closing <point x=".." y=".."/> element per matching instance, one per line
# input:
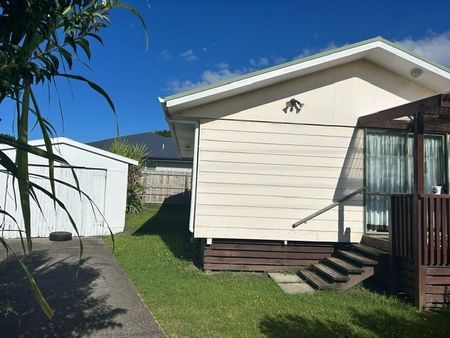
<point x="95" y="299"/>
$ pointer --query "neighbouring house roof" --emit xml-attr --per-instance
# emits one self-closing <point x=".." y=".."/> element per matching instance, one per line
<point x="377" y="50"/>
<point x="159" y="147"/>
<point x="75" y="144"/>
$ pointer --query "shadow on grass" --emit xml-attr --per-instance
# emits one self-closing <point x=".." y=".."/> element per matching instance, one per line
<point x="171" y="223"/>
<point x="68" y="288"/>
<point x="370" y="322"/>
<point x="300" y="326"/>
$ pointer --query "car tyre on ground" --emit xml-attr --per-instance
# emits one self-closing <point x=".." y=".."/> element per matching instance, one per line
<point x="60" y="236"/>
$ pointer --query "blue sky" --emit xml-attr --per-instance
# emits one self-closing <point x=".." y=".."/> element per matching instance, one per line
<point x="200" y="42"/>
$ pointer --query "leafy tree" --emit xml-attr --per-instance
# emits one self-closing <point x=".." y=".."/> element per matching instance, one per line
<point x="40" y="41"/>
<point x="163" y="132"/>
<point x="135" y="191"/>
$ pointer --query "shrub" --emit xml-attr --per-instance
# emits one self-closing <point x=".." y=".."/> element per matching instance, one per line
<point x="135" y="191"/>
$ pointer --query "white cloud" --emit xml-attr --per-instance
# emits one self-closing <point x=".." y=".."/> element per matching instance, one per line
<point x="221" y="71"/>
<point x="177" y="85"/>
<point x="261" y="62"/>
<point x="435" y="47"/>
<point x="279" y="59"/>
<point x="165" y="55"/>
<point x="223" y="65"/>
<point x="208" y="76"/>
<point x="309" y="51"/>
<point x="189" y="56"/>
<point x="303" y="53"/>
<point x="211" y="76"/>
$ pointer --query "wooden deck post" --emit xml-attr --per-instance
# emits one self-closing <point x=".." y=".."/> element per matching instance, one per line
<point x="393" y="250"/>
<point x="416" y="221"/>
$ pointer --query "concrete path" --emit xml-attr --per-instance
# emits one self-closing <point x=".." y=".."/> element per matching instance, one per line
<point x="94" y="300"/>
<point x="290" y="283"/>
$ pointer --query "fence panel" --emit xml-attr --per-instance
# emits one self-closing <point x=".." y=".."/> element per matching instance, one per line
<point x="167" y="187"/>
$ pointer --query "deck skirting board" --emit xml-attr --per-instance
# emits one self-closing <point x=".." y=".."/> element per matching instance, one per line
<point x="437" y="289"/>
<point x="261" y="256"/>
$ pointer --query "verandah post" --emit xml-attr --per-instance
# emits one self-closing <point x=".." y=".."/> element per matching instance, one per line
<point x="416" y="221"/>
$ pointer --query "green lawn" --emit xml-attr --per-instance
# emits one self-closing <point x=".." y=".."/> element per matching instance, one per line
<point x="156" y="253"/>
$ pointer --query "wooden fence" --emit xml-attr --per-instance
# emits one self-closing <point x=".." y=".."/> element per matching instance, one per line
<point x="167" y="187"/>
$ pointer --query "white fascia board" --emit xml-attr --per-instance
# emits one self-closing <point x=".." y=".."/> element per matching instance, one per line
<point x="82" y="146"/>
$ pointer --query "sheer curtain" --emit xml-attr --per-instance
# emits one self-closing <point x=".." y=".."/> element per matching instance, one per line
<point x="389" y="169"/>
<point x="434" y="162"/>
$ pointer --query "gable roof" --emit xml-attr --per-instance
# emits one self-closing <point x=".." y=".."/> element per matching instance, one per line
<point x="377" y="50"/>
<point x="159" y="147"/>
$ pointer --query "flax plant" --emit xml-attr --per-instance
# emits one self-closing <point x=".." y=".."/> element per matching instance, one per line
<point x="40" y="42"/>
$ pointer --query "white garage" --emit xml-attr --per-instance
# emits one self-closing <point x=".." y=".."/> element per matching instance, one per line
<point x="102" y="175"/>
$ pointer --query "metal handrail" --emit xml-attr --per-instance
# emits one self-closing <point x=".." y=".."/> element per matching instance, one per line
<point x="331" y="206"/>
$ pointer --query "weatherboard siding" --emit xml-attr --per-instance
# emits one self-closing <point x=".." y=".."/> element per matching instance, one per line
<point x="260" y="169"/>
<point x="255" y="179"/>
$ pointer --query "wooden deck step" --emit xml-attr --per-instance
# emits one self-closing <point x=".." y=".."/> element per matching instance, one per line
<point x="344" y="265"/>
<point x="330" y="273"/>
<point x="315" y="280"/>
<point x="367" y="250"/>
<point x="355" y="257"/>
<point x="377" y="242"/>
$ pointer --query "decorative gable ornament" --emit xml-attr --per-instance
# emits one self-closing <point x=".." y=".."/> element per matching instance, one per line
<point x="292" y="105"/>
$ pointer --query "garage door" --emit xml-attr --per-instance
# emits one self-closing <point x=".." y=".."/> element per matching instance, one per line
<point x="87" y="215"/>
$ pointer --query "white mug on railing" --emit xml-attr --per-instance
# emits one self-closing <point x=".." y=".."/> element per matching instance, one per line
<point x="437" y="189"/>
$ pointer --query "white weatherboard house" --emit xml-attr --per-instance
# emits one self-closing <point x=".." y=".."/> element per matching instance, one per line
<point x="102" y="175"/>
<point x="273" y="147"/>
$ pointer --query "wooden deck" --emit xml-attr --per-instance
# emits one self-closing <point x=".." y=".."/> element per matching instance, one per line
<point x="420" y="248"/>
<point x="420" y="223"/>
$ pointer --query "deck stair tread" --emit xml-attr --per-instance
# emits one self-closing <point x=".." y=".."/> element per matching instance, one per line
<point x="356" y="257"/>
<point x="330" y="273"/>
<point x="369" y="250"/>
<point x="345" y="269"/>
<point x="344" y="265"/>
<point x="316" y="281"/>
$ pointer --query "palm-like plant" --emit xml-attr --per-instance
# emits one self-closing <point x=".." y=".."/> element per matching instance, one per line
<point x="40" y="40"/>
<point x="135" y="191"/>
